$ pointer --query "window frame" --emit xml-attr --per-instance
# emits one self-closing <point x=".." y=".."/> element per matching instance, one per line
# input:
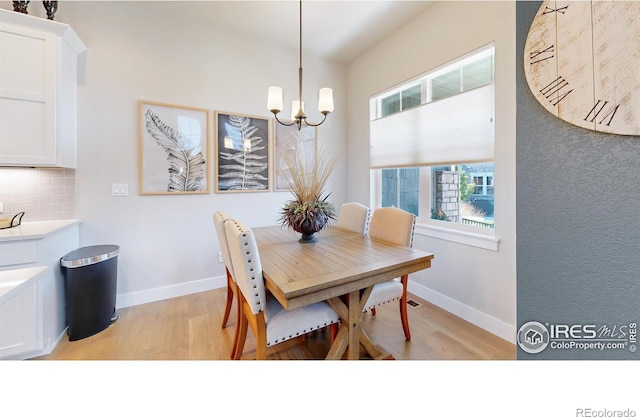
<point x="454" y="232"/>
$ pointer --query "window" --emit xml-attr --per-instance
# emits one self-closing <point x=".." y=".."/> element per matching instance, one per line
<point x="402" y="100"/>
<point x="464" y="75"/>
<point x="401" y="188"/>
<point x="479" y="182"/>
<point x="461" y="194"/>
<point x="483" y="182"/>
<point x="432" y="144"/>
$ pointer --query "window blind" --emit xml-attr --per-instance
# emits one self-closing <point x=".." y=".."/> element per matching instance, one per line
<point x="457" y="129"/>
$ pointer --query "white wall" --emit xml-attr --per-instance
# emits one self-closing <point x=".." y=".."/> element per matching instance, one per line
<point x="147" y="51"/>
<point x="476" y="284"/>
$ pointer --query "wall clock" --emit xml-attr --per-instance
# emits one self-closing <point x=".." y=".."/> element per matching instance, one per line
<point x="582" y="63"/>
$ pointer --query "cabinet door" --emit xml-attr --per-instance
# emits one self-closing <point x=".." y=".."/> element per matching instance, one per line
<point x="19" y="323"/>
<point x="27" y="96"/>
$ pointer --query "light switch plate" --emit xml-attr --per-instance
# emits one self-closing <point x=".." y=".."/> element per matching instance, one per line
<point x="119" y="190"/>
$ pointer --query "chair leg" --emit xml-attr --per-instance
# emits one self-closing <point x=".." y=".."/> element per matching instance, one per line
<point x="227" y="308"/>
<point x="333" y="332"/>
<point x="241" y="337"/>
<point x="236" y="336"/>
<point x="260" y="331"/>
<point x="403" y="309"/>
<point x="404" y="318"/>
<point x="241" y="327"/>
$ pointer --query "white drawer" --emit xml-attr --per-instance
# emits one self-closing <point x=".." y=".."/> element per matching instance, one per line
<point x="18" y="253"/>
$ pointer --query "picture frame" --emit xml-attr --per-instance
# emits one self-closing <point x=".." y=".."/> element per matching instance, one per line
<point x="173" y="149"/>
<point x="243" y="153"/>
<point x="289" y="140"/>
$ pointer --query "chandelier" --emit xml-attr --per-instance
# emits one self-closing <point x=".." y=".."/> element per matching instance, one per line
<point x="274" y="99"/>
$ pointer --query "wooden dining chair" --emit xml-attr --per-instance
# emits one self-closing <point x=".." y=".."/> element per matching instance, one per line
<point x="396" y="226"/>
<point x="219" y="218"/>
<point x="354" y="216"/>
<point x="270" y="322"/>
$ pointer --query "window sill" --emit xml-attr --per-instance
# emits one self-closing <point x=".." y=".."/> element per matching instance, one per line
<point x="458" y="236"/>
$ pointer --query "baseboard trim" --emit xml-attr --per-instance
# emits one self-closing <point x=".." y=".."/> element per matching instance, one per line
<point x="169" y="291"/>
<point x="478" y="318"/>
<point x="465" y="312"/>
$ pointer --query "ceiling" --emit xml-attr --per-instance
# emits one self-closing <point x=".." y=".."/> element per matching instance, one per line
<point x="336" y="30"/>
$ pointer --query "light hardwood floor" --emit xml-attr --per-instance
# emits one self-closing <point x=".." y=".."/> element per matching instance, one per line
<point x="189" y="328"/>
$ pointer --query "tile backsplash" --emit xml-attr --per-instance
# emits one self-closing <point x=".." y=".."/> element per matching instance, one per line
<point x="42" y="193"/>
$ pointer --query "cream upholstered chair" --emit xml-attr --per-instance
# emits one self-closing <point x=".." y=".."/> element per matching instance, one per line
<point x="219" y="218"/>
<point x="395" y="226"/>
<point x="270" y="322"/>
<point x="354" y="216"/>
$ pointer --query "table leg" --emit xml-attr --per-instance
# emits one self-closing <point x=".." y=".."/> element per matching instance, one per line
<point x="339" y="345"/>
<point x="355" y="311"/>
<point x="376" y="352"/>
<point x="351" y="336"/>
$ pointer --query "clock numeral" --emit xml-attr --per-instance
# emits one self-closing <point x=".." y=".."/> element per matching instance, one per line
<point x="556" y="87"/>
<point x="538" y="56"/>
<point x="597" y="109"/>
<point x="561" y="10"/>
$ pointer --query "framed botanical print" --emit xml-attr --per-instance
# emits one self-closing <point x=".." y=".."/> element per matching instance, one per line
<point x="173" y="149"/>
<point x="291" y="142"/>
<point x="242" y="153"/>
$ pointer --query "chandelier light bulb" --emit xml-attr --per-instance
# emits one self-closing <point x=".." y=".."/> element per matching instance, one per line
<point x="274" y="99"/>
<point x="325" y="101"/>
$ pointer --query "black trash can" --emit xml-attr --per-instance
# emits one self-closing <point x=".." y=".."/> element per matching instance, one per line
<point x="90" y="287"/>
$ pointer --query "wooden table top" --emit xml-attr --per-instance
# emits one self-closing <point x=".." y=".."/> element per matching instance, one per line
<point x="299" y="274"/>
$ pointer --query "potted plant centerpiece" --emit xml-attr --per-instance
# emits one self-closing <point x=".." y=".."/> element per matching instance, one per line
<point x="309" y="211"/>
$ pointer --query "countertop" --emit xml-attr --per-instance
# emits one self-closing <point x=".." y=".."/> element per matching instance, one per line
<point x="13" y="280"/>
<point x="34" y="230"/>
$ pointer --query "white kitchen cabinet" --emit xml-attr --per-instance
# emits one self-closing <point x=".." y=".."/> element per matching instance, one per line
<point x="32" y="296"/>
<point x="21" y="311"/>
<point x="38" y="89"/>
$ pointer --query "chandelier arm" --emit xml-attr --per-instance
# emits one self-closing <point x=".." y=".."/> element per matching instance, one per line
<point x="283" y="123"/>
<point x="306" y="122"/>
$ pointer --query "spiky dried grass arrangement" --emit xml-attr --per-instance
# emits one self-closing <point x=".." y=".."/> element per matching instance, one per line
<point x="310" y="209"/>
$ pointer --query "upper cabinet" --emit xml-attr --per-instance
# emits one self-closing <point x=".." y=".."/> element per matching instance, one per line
<point x="38" y="89"/>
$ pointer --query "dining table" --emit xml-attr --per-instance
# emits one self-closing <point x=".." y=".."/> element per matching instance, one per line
<point x="341" y="268"/>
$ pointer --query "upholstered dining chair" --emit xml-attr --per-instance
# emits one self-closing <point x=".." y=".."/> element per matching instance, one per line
<point x="219" y="218"/>
<point x="270" y="322"/>
<point x="396" y="226"/>
<point x="354" y="216"/>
